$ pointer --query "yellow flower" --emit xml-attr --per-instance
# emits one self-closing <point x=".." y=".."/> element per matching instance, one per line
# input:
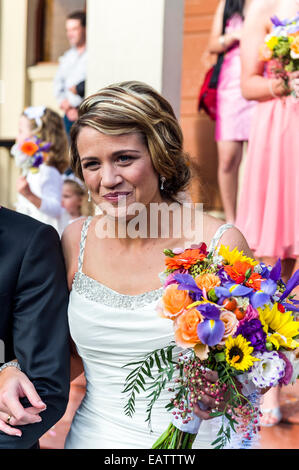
<point x="238" y="353"/>
<point x="280" y="327"/>
<point x="232" y="256"/>
<point x="272" y="42"/>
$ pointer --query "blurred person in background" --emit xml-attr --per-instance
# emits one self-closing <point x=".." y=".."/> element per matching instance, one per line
<point x="74" y="199"/>
<point x="269" y="203"/>
<point x="42" y="143"/>
<point x="72" y="69"/>
<point x="233" y="110"/>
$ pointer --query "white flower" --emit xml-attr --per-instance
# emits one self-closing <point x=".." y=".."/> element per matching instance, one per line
<point x="242" y="302"/>
<point x="294" y="55"/>
<point x="217" y="259"/>
<point x="268" y="370"/>
<point x="257" y="269"/>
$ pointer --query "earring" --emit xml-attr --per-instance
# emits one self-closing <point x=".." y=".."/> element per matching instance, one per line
<point x="163" y="179"/>
<point x="89" y="196"/>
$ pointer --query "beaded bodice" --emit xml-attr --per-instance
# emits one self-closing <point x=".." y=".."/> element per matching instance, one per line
<point x="95" y="291"/>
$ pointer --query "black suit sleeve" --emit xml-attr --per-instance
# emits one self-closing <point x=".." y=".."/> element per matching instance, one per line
<point x="40" y="332"/>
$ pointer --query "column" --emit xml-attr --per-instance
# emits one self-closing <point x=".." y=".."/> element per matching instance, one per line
<point x="136" y="40"/>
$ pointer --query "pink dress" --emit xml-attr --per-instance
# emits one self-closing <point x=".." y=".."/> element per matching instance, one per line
<point x="268" y="212"/>
<point x="233" y="111"/>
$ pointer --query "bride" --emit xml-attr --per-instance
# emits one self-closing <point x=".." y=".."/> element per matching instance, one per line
<point x="127" y="146"/>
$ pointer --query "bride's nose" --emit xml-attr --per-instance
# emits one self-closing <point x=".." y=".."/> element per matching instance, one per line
<point x="110" y="176"/>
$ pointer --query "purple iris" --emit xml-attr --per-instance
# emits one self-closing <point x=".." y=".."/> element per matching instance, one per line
<point x="38" y="160"/>
<point x="187" y="282"/>
<point x="211" y="330"/>
<point x="263" y="296"/>
<point x="46" y="147"/>
<point x="253" y="331"/>
<point x="291" y="284"/>
<point x="277" y="22"/>
<point x="231" y="289"/>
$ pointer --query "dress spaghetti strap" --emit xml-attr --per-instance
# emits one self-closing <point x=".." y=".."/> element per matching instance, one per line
<point x="220" y="231"/>
<point x="83" y="241"/>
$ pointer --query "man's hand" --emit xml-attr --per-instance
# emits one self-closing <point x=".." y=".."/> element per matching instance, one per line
<point x="14" y="385"/>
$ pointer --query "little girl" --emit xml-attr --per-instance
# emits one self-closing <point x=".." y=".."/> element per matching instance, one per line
<point x="73" y="199"/>
<point x="40" y="186"/>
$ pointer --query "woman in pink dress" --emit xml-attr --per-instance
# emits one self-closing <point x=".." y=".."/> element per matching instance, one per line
<point x="233" y="110"/>
<point x="268" y="212"/>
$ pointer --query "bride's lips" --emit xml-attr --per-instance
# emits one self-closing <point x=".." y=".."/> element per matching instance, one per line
<point x="116" y="196"/>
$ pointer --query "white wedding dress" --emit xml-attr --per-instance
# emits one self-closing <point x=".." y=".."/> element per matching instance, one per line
<point x="111" y="330"/>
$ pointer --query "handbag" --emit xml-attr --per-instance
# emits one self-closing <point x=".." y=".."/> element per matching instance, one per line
<point x="208" y="95"/>
<point x="207" y="98"/>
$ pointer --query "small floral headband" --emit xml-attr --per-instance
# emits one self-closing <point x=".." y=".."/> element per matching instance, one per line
<point x="36" y="113"/>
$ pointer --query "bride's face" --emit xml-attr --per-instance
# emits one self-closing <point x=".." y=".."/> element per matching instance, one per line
<point x="117" y="170"/>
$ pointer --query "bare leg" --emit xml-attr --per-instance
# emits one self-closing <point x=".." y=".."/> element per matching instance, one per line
<point x="229" y="159"/>
<point x="270" y="408"/>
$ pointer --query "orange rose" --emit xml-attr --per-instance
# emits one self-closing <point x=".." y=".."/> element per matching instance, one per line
<point x="207" y="281"/>
<point x="186" y="328"/>
<point x="184" y="260"/>
<point x="295" y="45"/>
<point x="174" y="302"/>
<point x="230" y="324"/>
<point x="29" y="148"/>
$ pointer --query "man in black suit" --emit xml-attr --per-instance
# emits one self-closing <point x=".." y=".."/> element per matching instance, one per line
<point x="33" y="327"/>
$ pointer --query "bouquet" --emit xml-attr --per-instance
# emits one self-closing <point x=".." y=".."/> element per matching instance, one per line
<point x="281" y="48"/>
<point x="230" y="314"/>
<point x="30" y="155"/>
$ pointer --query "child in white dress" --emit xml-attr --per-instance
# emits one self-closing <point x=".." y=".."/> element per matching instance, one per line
<point x="40" y="190"/>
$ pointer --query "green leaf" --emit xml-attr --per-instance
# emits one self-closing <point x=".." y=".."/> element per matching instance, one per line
<point x="158" y="362"/>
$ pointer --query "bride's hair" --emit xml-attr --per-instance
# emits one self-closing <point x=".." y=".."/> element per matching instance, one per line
<point x="131" y="107"/>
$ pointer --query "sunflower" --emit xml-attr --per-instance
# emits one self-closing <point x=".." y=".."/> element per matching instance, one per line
<point x="280" y="327"/>
<point x="235" y="255"/>
<point x="238" y="353"/>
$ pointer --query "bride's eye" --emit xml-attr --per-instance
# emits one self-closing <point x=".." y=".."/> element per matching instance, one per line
<point x="91" y="164"/>
<point x="124" y="159"/>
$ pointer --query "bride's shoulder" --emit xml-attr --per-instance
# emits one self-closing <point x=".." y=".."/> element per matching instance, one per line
<point x="262" y="9"/>
<point x="70" y="242"/>
<point x="231" y="236"/>
<point x="72" y="233"/>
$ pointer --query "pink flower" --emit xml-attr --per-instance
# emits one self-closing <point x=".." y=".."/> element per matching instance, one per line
<point x="286" y="379"/>
<point x="251" y="314"/>
<point x="171" y="280"/>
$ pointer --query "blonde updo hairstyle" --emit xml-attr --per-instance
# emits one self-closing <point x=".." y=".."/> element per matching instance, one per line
<point x="135" y="107"/>
<point x="52" y="130"/>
